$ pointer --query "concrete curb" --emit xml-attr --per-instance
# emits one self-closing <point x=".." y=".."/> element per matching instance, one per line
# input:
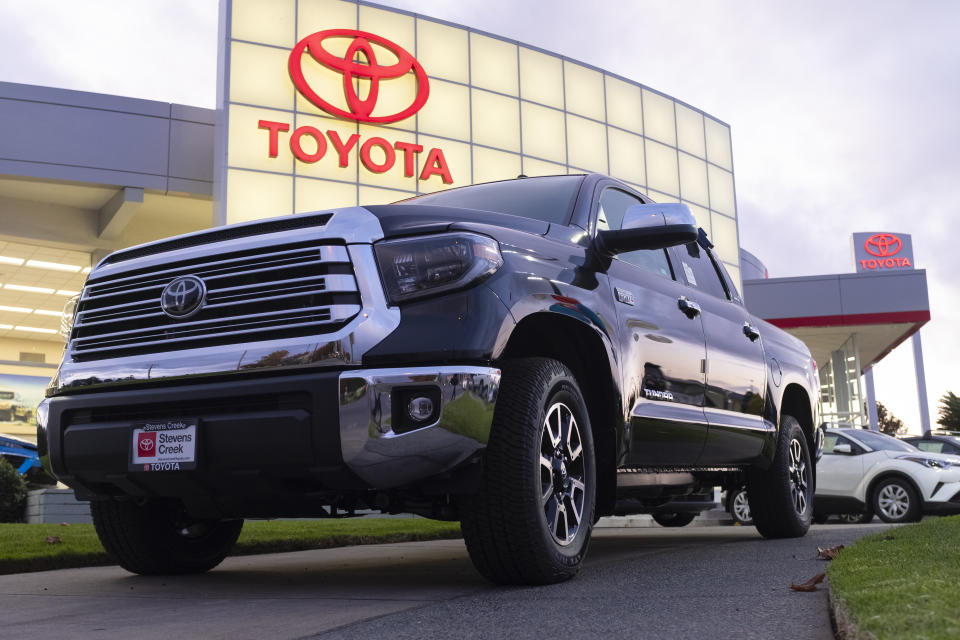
<point x="844" y="625"/>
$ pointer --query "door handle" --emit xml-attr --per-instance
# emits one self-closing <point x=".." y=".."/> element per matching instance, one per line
<point x="689" y="307"/>
<point x="750" y="331"/>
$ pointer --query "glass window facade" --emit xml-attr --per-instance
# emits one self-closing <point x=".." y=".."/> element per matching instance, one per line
<point x="496" y="109"/>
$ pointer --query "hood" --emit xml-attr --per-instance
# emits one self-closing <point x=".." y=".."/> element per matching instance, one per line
<point x="409" y="219"/>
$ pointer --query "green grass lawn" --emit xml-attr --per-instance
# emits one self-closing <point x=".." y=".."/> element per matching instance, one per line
<point x="903" y="582"/>
<point x="24" y="547"/>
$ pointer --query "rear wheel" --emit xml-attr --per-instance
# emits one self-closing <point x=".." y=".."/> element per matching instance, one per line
<point x="674" y="519"/>
<point x="895" y="500"/>
<point x="532" y="519"/>
<point x="738" y="504"/>
<point x="856" y="518"/>
<point x="781" y="497"/>
<point x="156" y="537"/>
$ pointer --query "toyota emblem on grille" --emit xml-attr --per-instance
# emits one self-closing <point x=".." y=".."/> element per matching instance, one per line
<point x="183" y="297"/>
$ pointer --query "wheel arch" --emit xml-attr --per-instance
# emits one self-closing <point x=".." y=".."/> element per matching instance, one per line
<point x="587" y="354"/>
<point x="796" y="402"/>
<point x="887" y="475"/>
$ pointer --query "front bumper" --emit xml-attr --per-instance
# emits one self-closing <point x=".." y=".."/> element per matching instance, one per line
<point x="275" y="445"/>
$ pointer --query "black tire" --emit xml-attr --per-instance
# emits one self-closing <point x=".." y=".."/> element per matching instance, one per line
<point x="505" y="525"/>
<point x="856" y="518"/>
<point x="895" y="500"/>
<point x="820" y="518"/>
<point x="674" y="519"/>
<point x="781" y="497"/>
<point x="736" y="508"/>
<point x="154" y="538"/>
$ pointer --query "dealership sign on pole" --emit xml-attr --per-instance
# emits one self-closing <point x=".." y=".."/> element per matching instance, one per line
<point x="875" y="252"/>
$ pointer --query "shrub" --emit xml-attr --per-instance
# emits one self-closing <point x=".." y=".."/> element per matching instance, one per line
<point x="13" y="494"/>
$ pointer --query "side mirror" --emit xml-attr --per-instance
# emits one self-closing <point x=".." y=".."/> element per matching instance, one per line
<point x="650" y="226"/>
<point x="842" y="447"/>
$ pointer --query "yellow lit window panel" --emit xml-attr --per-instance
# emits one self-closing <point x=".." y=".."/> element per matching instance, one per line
<point x="624" y="105"/>
<point x="693" y="179"/>
<point x="533" y="167"/>
<point x="721" y="191"/>
<point x="690" y="131"/>
<point x="259" y="76"/>
<point x="394" y="26"/>
<point x="660" y="197"/>
<point x="496" y="120"/>
<point x="658" y="120"/>
<point x="266" y="21"/>
<point x="442" y="50"/>
<point x="393" y="177"/>
<point x="735" y="275"/>
<point x="328" y="166"/>
<point x="248" y="146"/>
<point x="320" y="15"/>
<point x="447" y="112"/>
<point x="584" y="90"/>
<point x="327" y="83"/>
<point x="662" y="172"/>
<point x="702" y="215"/>
<point x="375" y="195"/>
<point x="718" y="144"/>
<point x="457" y="156"/>
<point x="724" y="238"/>
<point x="541" y="78"/>
<point x="319" y="195"/>
<point x="252" y="195"/>
<point x="543" y="134"/>
<point x="626" y="156"/>
<point x="586" y="144"/>
<point x="490" y="165"/>
<point x="493" y="64"/>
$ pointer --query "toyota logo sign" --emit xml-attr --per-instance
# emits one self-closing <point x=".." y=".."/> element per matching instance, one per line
<point x="352" y="70"/>
<point x="183" y="297"/>
<point x="882" y="245"/>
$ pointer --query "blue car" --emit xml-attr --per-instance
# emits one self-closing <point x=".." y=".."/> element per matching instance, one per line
<point x="20" y="453"/>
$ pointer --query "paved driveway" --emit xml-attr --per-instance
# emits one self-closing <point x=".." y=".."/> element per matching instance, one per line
<point x="698" y="582"/>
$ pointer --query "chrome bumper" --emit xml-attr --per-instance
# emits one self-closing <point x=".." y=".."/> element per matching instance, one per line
<point x="385" y="459"/>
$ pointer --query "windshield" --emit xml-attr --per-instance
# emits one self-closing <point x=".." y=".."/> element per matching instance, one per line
<point x="880" y="442"/>
<point x="549" y="199"/>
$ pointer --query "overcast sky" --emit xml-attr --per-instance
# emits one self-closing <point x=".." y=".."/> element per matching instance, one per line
<point x="844" y="115"/>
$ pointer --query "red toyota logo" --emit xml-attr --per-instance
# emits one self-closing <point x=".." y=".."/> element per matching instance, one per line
<point x="146" y="445"/>
<point x="352" y="69"/>
<point x="882" y="245"/>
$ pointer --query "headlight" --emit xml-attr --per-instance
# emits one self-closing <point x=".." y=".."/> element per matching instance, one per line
<point x="417" y="267"/>
<point x="68" y="315"/>
<point x="930" y="463"/>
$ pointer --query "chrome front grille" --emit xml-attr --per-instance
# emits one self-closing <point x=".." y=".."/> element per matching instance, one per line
<point x="277" y="291"/>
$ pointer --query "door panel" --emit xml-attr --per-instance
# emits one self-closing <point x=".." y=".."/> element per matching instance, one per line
<point x="662" y="353"/>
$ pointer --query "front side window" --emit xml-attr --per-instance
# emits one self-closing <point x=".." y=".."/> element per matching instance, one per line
<point x="610" y="212"/>
<point x="699" y="270"/>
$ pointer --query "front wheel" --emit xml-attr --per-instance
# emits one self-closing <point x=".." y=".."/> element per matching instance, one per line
<point x="531" y="521"/>
<point x="156" y="537"/>
<point x="781" y="497"/>
<point x="895" y="500"/>
<point x="674" y="519"/>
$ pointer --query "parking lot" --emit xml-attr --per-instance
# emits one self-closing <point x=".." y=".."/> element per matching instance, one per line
<point x="698" y="582"/>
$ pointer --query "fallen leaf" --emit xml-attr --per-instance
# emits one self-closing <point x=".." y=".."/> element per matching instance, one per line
<point x="811" y="584"/>
<point x="829" y="554"/>
<point x="54" y="540"/>
<point x="64" y="524"/>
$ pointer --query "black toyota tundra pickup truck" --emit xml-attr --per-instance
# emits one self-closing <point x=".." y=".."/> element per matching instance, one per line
<point x="524" y="356"/>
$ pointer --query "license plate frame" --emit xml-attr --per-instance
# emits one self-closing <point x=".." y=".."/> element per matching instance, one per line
<point x="164" y="445"/>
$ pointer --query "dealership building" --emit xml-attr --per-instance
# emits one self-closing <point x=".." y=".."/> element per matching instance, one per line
<point x="332" y="103"/>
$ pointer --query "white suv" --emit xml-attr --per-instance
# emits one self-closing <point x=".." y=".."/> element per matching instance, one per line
<point x="871" y="473"/>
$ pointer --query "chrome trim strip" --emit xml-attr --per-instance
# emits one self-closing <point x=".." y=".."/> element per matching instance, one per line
<point x="343" y="348"/>
<point x="668" y="411"/>
<point x="383" y="458"/>
<point x="736" y="420"/>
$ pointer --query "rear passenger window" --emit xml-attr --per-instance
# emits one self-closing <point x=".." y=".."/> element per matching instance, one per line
<point x="613" y="205"/>
<point x="698" y="269"/>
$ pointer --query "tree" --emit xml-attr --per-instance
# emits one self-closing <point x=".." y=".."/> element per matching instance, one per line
<point x="889" y="423"/>
<point x="949" y="411"/>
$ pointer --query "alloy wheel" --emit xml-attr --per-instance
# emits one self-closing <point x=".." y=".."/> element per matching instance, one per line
<point x="741" y="506"/>
<point x="562" y="474"/>
<point x="799" y="477"/>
